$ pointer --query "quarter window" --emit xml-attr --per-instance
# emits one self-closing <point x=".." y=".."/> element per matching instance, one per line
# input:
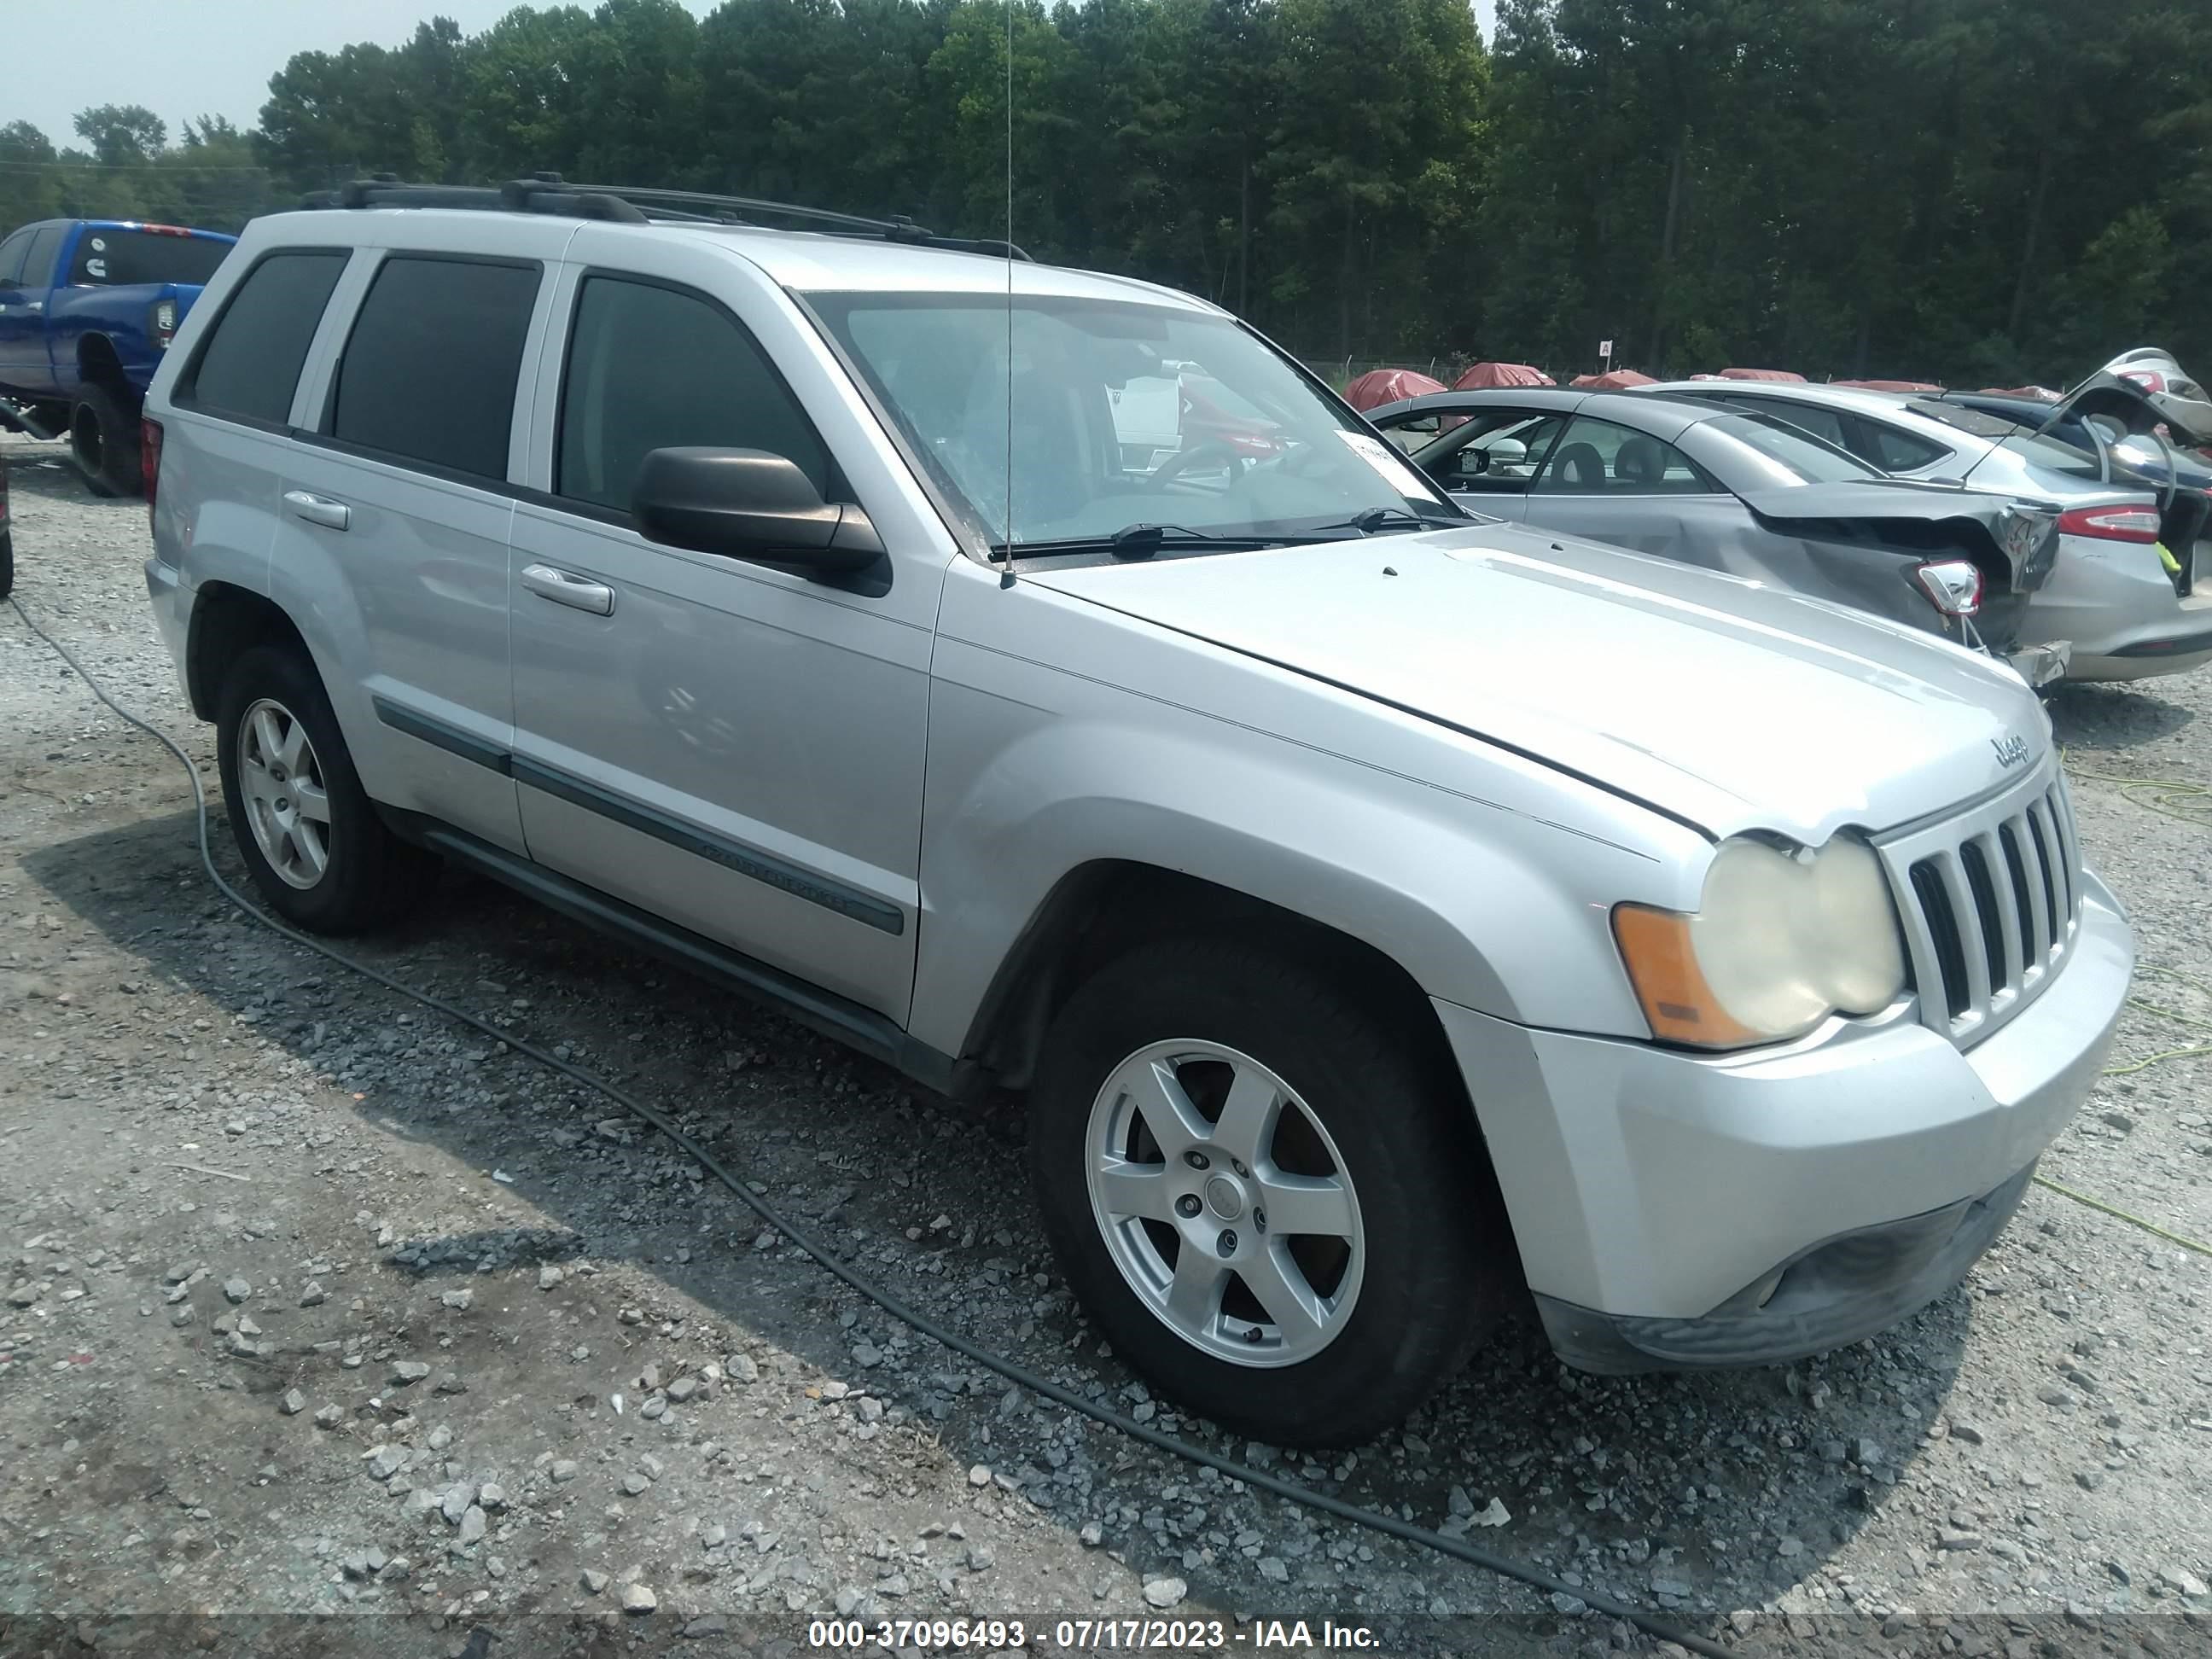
<point x="1899" y="452"/>
<point x="251" y="363"/>
<point x="1596" y="458"/>
<point x="429" y="372"/>
<point x="652" y="368"/>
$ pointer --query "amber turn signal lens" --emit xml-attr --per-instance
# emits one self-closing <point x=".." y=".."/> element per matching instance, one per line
<point x="1663" y="968"/>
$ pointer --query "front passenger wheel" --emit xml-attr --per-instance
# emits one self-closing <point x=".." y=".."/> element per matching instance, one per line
<point x="1267" y="1193"/>
<point x="311" y="841"/>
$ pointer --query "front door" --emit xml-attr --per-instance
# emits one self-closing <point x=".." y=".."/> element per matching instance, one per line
<point x="1484" y="460"/>
<point x="735" y="748"/>
<point x="1609" y="483"/>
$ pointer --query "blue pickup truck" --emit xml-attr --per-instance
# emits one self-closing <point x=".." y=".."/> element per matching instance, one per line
<point x="86" y="308"/>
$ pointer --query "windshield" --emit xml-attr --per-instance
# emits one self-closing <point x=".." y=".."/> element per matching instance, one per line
<point x="1778" y="455"/>
<point x="1125" y="415"/>
<point x="109" y="258"/>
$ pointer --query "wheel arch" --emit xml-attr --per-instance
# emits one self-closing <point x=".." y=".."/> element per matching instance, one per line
<point x="98" y="363"/>
<point x="227" y="622"/>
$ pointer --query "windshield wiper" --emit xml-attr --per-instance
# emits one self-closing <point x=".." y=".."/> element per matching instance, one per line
<point x="1376" y="520"/>
<point x="1141" y="541"/>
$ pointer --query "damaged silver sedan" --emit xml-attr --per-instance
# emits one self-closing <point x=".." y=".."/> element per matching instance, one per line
<point x="1748" y="495"/>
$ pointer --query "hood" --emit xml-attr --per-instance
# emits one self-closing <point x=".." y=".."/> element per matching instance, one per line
<point x="2023" y="534"/>
<point x="1722" y="703"/>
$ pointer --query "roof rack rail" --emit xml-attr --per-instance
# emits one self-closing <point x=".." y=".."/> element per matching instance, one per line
<point x="550" y="193"/>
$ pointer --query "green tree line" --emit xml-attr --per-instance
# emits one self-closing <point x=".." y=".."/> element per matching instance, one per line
<point x="1979" y="191"/>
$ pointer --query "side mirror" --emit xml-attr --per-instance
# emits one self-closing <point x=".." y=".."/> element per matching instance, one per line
<point x="1508" y="451"/>
<point x="748" y="504"/>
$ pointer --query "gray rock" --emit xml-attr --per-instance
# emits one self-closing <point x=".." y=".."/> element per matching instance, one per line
<point x="441" y="1437"/>
<point x="1273" y="1570"/>
<point x="595" y="1581"/>
<point x="549" y="1276"/>
<point x="181" y="1317"/>
<point x="2088" y="1480"/>
<point x="314" y="1296"/>
<point x="292" y="1403"/>
<point x="456" y="1501"/>
<point x="1969" y="1433"/>
<point x="1092" y="1535"/>
<point x="1832" y="1451"/>
<point x="981" y="1557"/>
<point x="473" y="1525"/>
<point x="565" y="1469"/>
<point x="330" y="1416"/>
<point x="1677" y="1588"/>
<point x="2051" y="1395"/>
<point x="653" y="1466"/>
<point x="706" y="1624"/>
<point x="1164" y="1593"/>
<point x="980" y="1475"/>
<point x="636" y="1598"/>
<point x="407" y="1371"/>
<point x="237" y="1289"/>
<point x="394" y="1570"/>
<point x="2119" y="1120"/>
<point x="492" y="1496"/>
<point x="1953" y="1538"/>
<point x="714" y="1537"/>
<point x="2184" y="1581"/>
<point x="1573" y="1605"/>
<point x="635" y="1484"/>
<point x="384" y="1461"/>
<point x="458" y="1300"/>
<point x="867" y="1355"/>
<point x="683" y="1389"/>
<point x="741" y="1368"/>
<point x="1865" y="1452"/>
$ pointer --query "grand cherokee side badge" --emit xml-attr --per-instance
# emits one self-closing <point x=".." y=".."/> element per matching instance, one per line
<point x="2011" y="751"/>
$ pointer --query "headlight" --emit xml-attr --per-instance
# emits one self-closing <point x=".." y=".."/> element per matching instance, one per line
<point x="1779" y="942"/>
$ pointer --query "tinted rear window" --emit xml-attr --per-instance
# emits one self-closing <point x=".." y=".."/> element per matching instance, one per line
<point x="108" y="258"/>
<point x="251" y="363"/>
<point x="430" y="371"/>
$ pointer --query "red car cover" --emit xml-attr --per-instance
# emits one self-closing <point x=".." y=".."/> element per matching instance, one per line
<point x="1379" y="386"/>
<point x="1762" y="374"/>
<point x="1615" y="380"/>
<point x="2041" y="393"/>
<point x="1482" y="377"/>
<point x="1887" y="386"/>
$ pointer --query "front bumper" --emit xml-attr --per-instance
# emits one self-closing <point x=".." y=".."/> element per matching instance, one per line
<point x="1674" y="1209"/>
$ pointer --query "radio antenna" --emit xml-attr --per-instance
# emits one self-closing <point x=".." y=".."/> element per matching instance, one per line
<point x="1006" y="576"/>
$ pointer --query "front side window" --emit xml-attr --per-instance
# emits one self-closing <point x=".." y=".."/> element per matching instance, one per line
<point x="12" y="253"/>
<point x="1495" y="452"/>
<point x="1123" y="415"/>
<point x="652" y="368"/>
<point x="112" y="259"/>
<point x="250" y="365"/>
<point x="1597" y="457"/>
<point x="429" y="371"/>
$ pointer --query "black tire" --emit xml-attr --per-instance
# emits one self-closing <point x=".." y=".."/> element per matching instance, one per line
<point x="1434" y="1275"/>
<point x="103" y="437"/>
<point x="371" y="876"/>
<point x="7" y="563"/>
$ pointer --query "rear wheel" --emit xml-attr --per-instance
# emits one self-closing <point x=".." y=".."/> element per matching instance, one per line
<point x="312" y="842"/>
<point x="104" y="440"/>
<point x="1268" y="1198"/>
<point x="7" y="563"/>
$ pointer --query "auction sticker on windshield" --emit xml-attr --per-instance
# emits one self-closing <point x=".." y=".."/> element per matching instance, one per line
<point x="1384" y="460"/>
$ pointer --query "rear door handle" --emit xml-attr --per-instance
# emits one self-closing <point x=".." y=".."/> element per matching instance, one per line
<point x="565" y="588"/>
<point x="318" y="510"/>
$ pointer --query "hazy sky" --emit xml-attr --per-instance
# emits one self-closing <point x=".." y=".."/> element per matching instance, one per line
<point x="185" y="58"/>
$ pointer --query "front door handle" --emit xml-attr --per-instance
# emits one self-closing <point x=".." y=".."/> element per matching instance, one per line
<point x="318" y="510"/>
<point x="564" y="588"/>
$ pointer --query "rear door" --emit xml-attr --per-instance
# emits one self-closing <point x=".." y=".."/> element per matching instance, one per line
<point x="395" y="512"/>
<point x="1611" y="483"/>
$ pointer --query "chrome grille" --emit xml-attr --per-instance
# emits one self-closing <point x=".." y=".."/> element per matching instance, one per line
<point x="1990" y="901"/>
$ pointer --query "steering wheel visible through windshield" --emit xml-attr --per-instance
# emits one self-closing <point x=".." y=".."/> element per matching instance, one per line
<point x="1128" y="417"/>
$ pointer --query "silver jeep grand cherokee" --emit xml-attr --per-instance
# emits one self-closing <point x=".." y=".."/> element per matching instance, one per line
<point x="1381" y="909"/>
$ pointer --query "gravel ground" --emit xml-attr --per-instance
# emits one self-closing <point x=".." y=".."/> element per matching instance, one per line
<point x="318" y="1303"/>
